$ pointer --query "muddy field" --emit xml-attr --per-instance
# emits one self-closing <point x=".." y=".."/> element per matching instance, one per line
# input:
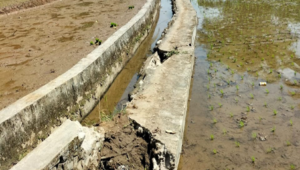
<point x="233" y="123"/>
<point x="39" y="44"/>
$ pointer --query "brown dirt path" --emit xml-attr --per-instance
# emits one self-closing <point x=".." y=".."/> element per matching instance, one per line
<point x="39" y="44"/>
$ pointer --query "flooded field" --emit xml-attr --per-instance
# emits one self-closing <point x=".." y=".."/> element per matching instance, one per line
<point x="233" y="123"/>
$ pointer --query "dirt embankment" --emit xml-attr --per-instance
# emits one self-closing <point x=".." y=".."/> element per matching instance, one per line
<point x="39" y="44"/>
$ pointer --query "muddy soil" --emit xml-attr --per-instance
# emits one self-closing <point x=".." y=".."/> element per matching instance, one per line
<point x="123" y="146"/>
<point x="39" y="44"/>
<point x="233" y="123"/>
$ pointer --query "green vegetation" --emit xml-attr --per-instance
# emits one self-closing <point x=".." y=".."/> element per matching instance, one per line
<point x="242" y="124"/>
<point x="211" y="137"/>
<point x="254" y="135"/>
<point x="215" y="151"/>
<point x="273" y="129"/>
<point x="91" y="43"/>
<point x="237" y="144"/>
<point x="292" y="167"/>
<point x="215" y="121"/>
<point x="275" y="112"/>
<point x="293" y="93"/>
<point x="253" y="159"/>
<point x="131" y="7"/>
<point x="113" y="25"/>
<point x="97" y="41"/>
<point x="267" y="91"/>
<point x="251" y="96"/>
<point x="248" y="109"/>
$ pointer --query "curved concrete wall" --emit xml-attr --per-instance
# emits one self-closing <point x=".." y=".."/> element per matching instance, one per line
<point x="73" y="94"/>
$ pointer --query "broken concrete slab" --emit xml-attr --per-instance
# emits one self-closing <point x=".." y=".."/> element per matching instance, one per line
<point x="69" y="146"/>
<point x="159" y="104"/>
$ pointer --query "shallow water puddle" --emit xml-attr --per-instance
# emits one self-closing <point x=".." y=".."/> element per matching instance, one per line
<point x="233" y="123"/>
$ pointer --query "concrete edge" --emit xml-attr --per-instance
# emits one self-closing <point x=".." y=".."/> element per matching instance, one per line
<point x="144" y="109"/>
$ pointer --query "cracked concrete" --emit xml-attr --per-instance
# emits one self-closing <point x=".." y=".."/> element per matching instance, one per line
<point x="70" y="146"/>
<point x="159" y="104"/>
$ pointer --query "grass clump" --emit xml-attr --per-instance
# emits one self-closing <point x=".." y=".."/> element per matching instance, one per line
<point x="273" y="129"/>
<point x="251" y="96"/>
<point x="113" y="25"/>
<point x="248" y="109"/>
<point x="237" y="144"/>
<point x="212" y="137"/>
<point x="242" y="124"/>
<point x="215" y="151"/>
<point x="97" y="41"/>
<point x="254" y="135"/>
<point x="91" y="43"/>
<point x="267" y="91"/>
<point x="215" y="121"/>
<point x="275" y="112"/>
<point x="292" y="167"/>
<point x="253" y="159"/>
<point x="131" y="7"/>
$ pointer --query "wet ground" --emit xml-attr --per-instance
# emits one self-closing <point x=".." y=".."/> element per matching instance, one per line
<point x="233" y="123"/>
<point x="39" y="44"/>
<point x="116" y="97"/>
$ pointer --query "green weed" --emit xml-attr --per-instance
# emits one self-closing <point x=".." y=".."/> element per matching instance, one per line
<point x="113" y="25"/>
<point x="242" y="124"/>
<point x="275" y="112"/>
<point x="254" y="135"/>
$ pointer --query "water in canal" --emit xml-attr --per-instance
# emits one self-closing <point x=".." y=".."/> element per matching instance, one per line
<point x="232" y="122"/>
<point x="116" y="97"/>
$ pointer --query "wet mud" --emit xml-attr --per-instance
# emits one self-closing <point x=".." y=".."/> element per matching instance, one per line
<point x="232" y="122"/>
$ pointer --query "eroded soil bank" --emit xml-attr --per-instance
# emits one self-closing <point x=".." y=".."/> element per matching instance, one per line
<point x="233" y="123"/>
<point x="39" y="44"/>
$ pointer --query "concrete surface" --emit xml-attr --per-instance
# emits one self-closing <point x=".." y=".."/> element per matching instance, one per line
<point x="160" y="103"/>
<point x="73" y="94"/>
<point x="65" y="146"/>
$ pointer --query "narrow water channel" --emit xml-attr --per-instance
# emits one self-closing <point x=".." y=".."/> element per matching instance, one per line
<point x="116" y="97"/>
<point x="232" y="122"/>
